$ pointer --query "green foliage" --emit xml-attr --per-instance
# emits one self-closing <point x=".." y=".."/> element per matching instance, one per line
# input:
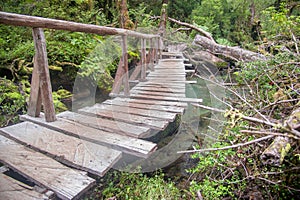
<point x="101" y="63"/>
<point x="215" y="162"/>
<point x="272" y="75"/>
<point x="238" y="172"/>
<point x="140" y="17"/>
<point x="133" y="186"/>
<point x="58" y="96"/>
<point x="12" y="102"/>
<point x="278" y="22"/>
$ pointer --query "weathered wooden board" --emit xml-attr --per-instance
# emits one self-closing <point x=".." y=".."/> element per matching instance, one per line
<point x="44" y="171"/>
<point x="14" y="190"/>
<point x="165" y="98"/>
<point x="170" y="82"/>
<point x="157" y="74"/>
<point x="72" y="125"/>
<point x="151" y="122"/>
<point x="159" y="89"/>
<point x="153" y="102"/>
<point x="109" y="125"/>
<point x="72" y="151"/>
<point x="163" y="85"/>
<point x="190" y="71"/>
<point x="167" y="79"/>
<point x="172" y="54"/>
<point x="165" y="108"/>
<point x="165" y="73"/>
<point x="177" y="67"/>
<point x="117" y="127"/>
<point x="167" y="94"/>
<point x="135" y="111"/>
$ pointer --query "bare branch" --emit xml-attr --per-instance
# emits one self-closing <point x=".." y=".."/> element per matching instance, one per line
<point x="229" y="147"/>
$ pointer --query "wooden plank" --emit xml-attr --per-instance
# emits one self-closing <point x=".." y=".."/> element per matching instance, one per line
<point x="165" y="108"/>
<point x="136" y="111"/>
<point x="109" y="125"/>
<point x="44" y="171"/>
<point x="153" y="102"/>
<point x="43" y="71"/>
<point x="163" y="85"/>
<point x="167" y="73"/>
<point x="167" y="94"/>
<point x="159" y="89"/>
<point x="165" y="98"/>
<point x="159" y="74"/>
<point x="70" y="123"/>
<point x="171" y="79"/>
<point x="14" y="190"/>
<point x="190" y="71"/>
<point x="151" y="122"/>
<point x="69" y="150"/>
<point x="166" y="81"/>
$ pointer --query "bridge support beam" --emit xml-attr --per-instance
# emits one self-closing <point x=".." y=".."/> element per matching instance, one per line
<point x="41" y="90"/>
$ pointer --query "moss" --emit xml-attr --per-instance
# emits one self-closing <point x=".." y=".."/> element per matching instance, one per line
<point x="12" y="102"/>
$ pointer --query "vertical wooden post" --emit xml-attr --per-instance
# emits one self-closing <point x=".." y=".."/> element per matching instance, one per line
<point x="151" y="54"/>
<point x="125" y="66"/>
<point x="156" y="51"/>
<point x="41" y="77"/>
<point x="159" y="55"/>
<point x="35" y="100"/>
<point x="118" y="79"/>
<point x="143" y="59"/>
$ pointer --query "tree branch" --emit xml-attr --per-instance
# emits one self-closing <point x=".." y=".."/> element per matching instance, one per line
<point x="201" y="31"/>
<point x="229" y="147"/>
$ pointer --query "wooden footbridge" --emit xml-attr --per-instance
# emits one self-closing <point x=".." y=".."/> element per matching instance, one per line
<point x="55" y="155"/>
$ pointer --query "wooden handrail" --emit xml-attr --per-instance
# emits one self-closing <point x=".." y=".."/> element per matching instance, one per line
<point x="41" y="92"/>
<point x="40" y="22"/>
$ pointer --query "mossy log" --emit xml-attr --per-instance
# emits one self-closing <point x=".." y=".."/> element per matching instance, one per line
<point x="234" y="53"/>
<point x="275" y="153"/>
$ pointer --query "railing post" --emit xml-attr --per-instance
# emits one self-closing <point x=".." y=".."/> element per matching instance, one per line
<point x="41" y="91"/>
<point x="143" y="59"/>
<point x="151" y="55"/>
<point x="35" y="100"/>
<point x="159" y="55"/>
<point x="125" y="66"/>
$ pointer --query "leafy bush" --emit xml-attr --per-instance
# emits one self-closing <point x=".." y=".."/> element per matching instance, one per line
<point x="12" y="102"/>
<point x="133" y="186"/>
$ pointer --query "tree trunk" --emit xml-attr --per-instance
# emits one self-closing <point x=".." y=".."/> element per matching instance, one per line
<point x="275" y="153"/>
<point x="233" y="53"/>
<point x="163" y="19"/>
<point x="124" y="19"/>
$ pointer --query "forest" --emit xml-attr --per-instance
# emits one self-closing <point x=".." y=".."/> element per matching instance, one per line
<point x="253" y="149"/>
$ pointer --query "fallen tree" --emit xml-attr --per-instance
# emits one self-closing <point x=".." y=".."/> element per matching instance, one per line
<point x="233" y="53"/>
<point x="206" y="41"/>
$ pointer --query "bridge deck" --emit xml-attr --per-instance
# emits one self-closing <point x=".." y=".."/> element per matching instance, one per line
<point x="96" y="137"/>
